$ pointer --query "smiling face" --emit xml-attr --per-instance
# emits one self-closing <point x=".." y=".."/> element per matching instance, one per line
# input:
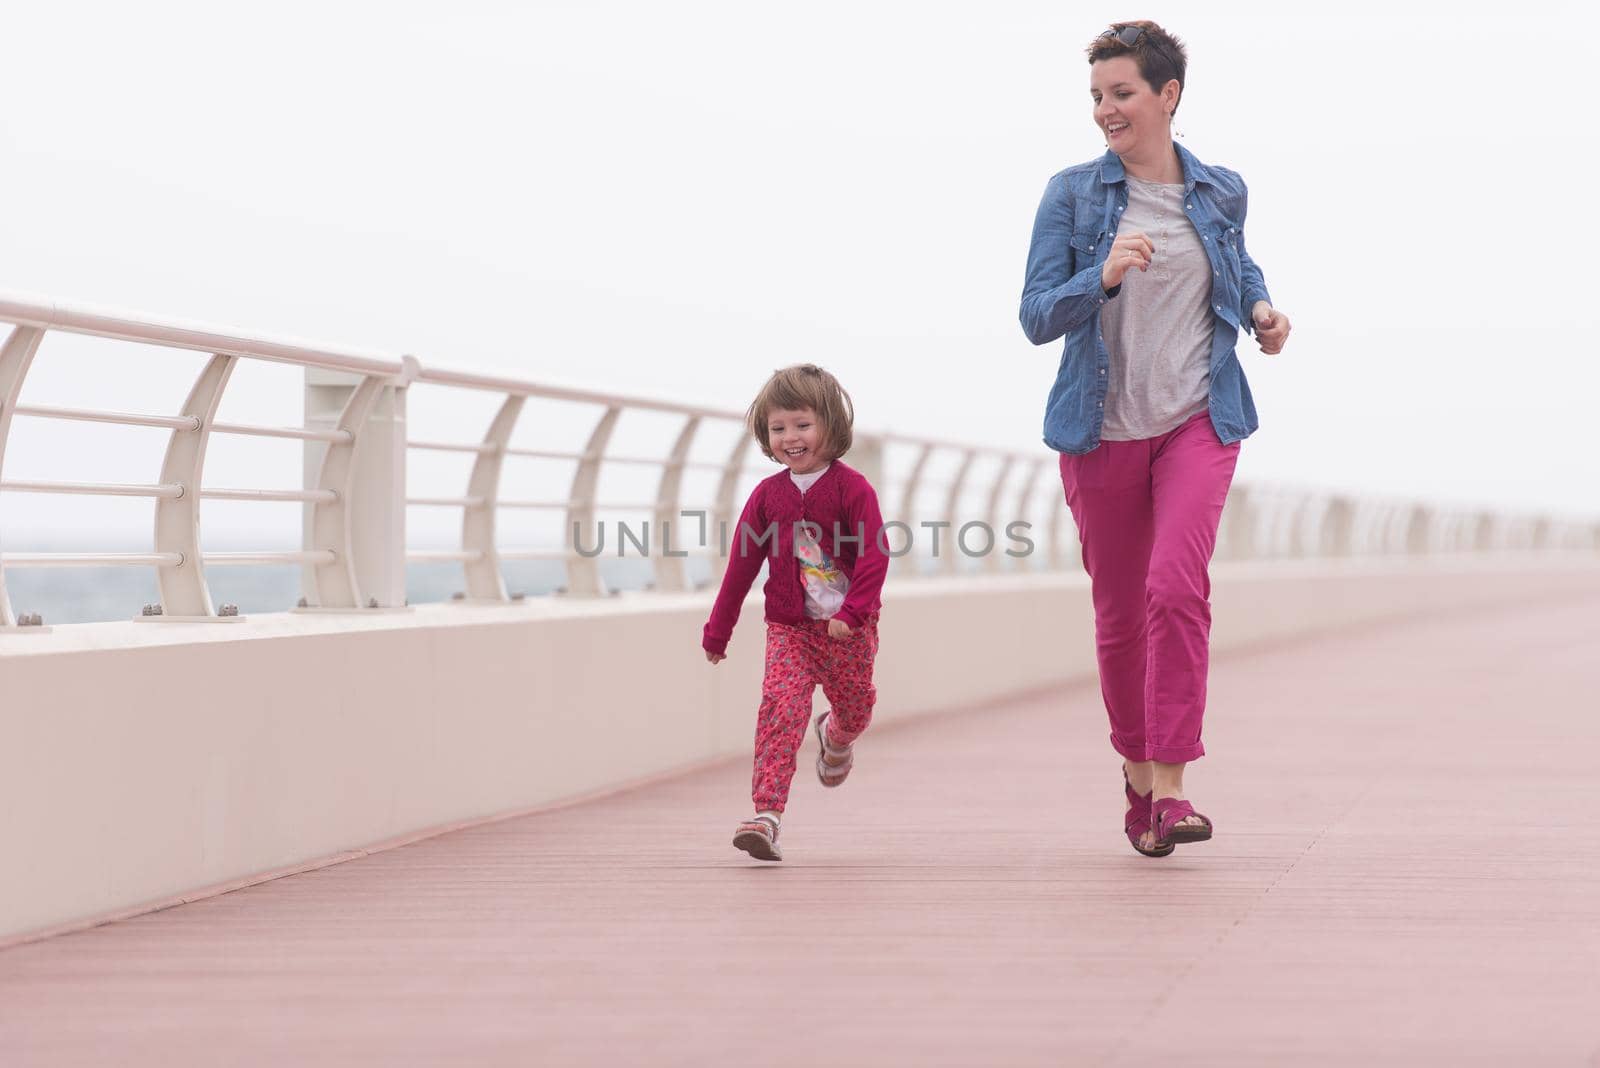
<point x="796" y="438"/>
<point x="1136" y="120"/>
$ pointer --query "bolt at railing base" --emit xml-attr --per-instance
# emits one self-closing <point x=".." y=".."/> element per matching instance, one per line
<point x="228" y="610"/>
<point x="152" y="610"/>
<point x="353" y="610"/>
<point x="302" y="603"/>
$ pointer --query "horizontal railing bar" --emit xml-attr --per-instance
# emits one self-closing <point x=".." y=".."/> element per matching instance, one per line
<point x="91" y="559"/>
<point x="954" y="446"/>
<point x="28" y="310"/>
<point x="83" y="415"/>
<point x="662" y="461"/>
<point x="559" y="505"/>
<point x="648" y="506"/>
<point x="650" y="461"/>
<point x="555" y="554"/>
<point x="333" y="437"/>
<point x="555" y="454"/>
<point x="443" y="555"/>
<point x="310" y="556"/>
<point x="679" y="552"/>
<point x="445" y="446"/>
<point x="446" y="502"/>
<point x="313" y="496"/>
<point x="548" y="454"/>
<point x="550" y="391"/>
<point x="601" y="506"/>
<point x="95" y="489"/>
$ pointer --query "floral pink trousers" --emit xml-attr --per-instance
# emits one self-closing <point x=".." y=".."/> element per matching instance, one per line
<point x="801" y="657"/>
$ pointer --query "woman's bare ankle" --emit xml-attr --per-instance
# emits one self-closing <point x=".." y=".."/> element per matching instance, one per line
<point x="1139" y="773"/>
<point x="1167" y="780"/>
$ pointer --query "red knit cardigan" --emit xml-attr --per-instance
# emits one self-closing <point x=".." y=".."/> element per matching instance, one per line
<point x="843" y="504"/>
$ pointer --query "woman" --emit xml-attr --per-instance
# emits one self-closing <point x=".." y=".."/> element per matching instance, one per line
<point x="1138" y="259"/>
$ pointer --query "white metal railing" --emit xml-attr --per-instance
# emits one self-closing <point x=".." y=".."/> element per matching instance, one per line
<point x="355" y="502"/>
<point x="177" y="557"/>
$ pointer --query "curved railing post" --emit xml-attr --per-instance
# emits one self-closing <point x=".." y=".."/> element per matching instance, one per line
<point x="1304" y="528"/>
<point x="1030" y="482"/>
<point x="1337" y="537"/>
<point x="484" y="577"/>
<point x="583" y="574"/>
<point x="952" y="504"/>
<point x="992" y="515"/>
<point x="1463" y="537"/>
<point x="1418" y="529"/>
<point x="1448" y="527"/>
<point x="670" y="573"/>
<point x="726" y="509"/>
<point x="15" y="357"/>
<point x="1239" y="526"/>
<point x="1060" y="559"/>
<point x="183" y="589"/>
<point x="334" y="583"/>
<point x="1396" y="526"/>
<point x="908" y="502"/>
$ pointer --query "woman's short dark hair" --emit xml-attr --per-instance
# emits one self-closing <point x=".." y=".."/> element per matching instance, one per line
<point x="1161" y="56"/>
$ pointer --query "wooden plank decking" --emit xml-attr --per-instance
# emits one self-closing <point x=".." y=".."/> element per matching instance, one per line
<point x="1404" y="873"/>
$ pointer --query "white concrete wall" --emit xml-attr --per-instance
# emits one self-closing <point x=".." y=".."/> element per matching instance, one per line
<point x="143" y="763"/>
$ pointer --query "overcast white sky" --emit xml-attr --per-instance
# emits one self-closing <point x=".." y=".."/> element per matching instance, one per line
<point x="676" y="198"/>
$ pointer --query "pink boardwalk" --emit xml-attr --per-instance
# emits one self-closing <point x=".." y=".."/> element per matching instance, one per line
<point x="1404" y="873"/>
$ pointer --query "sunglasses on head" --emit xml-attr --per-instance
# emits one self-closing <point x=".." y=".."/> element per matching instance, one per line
<point x="1128" y="35"/>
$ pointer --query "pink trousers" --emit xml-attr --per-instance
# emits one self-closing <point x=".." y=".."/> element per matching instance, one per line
<point x="1147" y="514"/>
<point x="801" y="657"/>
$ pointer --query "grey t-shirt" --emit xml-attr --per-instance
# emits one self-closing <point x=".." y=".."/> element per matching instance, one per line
<point x="1158" y="330"/>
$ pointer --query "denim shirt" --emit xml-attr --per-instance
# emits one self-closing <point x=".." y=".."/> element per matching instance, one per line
<point x="1075" y="227"/>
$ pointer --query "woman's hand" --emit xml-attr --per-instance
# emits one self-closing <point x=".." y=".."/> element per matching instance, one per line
<point x="1272" y="327"/>
<point x="838" y="628"/>
<point x="1127" y="252"/>
<point x="715" y="658"/>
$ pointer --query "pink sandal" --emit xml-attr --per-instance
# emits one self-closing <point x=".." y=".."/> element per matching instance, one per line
<point x="1137" y="821"/>
<point x="829" y="773"/>
<point x="1169" y="812"/>
<point x="759" y="838"/>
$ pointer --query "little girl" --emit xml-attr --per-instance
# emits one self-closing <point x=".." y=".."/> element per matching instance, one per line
<point x="817" y="526"/>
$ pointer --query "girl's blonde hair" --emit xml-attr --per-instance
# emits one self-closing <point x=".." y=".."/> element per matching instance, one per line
<point x="805" y="385"/>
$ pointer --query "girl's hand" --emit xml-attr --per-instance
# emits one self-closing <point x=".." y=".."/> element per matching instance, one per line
<point x="715" y="658"/>
<point x="1127" y="252"/>
<point x="1272" y="327"/>
<point x="838" y="629"/>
